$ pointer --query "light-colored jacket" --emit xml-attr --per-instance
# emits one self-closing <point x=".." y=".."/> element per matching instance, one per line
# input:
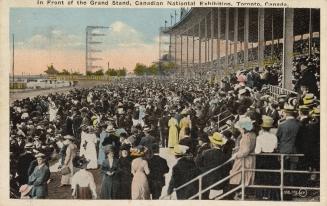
<point x="247" y="146"/>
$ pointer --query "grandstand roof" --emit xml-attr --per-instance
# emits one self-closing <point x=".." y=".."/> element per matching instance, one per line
<point x="273" y="16"/>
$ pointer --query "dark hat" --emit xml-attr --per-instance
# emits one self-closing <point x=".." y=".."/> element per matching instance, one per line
<point x="80" y="161"/>
<point x="304" y="108"/>
<point x="204" y="138"/>
<point x="125" y="147"/>
<point x="108" y="148"/>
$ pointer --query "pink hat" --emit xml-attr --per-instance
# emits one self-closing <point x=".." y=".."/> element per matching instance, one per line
<point x="241" y="78"/>
<point x="24" y="190"/>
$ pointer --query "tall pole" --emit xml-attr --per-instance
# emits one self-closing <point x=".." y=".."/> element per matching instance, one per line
<point x="86" y="51"/>
<point x="13" y="59"/>
<point x="200" y="46"/>
<point x="310" y="31"/>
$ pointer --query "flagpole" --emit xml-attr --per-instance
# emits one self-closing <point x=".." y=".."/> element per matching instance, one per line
<point x="13" y="59"/>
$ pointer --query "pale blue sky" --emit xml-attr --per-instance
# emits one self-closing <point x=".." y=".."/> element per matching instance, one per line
<point x="28" y="22"/>
<point x="46" y="36"/>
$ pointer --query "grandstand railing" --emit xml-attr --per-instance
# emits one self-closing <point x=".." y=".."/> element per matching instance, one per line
<point x="275" y="91"/>
<point x="242" y="185"/>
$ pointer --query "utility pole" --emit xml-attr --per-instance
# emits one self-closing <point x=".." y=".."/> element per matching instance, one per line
<point x="13" y="59"/>
<point x="90" y="47"/>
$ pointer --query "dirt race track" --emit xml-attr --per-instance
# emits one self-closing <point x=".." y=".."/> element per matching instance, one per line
<point x="22" y="94"/>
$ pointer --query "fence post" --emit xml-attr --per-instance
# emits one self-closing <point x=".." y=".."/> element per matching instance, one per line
<point x="282" y="177"/>
<point x="218" y="121"/>
<point x="243" y="181"/>
<point x="200" y="188"/>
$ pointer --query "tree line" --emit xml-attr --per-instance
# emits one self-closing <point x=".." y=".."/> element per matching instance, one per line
<point x="140" y="69"/>
<point x="110" y="72"/>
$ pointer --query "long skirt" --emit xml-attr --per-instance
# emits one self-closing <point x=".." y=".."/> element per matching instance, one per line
<point x="140" y="187"/>
<point x="267" y="178"/>
<point x="83" y="193"/>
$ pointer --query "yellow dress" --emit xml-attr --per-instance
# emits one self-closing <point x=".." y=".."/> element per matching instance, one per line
<point x="173" y="132"/>
<point x="184" y="123"/>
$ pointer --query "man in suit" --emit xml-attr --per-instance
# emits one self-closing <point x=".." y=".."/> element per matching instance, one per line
<point x="183" y="171"/>
<point x="287" y="133"/>
<point x="163" y="128"/>
<point x="147" y="140"/>
<point x="158" y="168"/>
<point x="24" y="162"/>
<point x="39" y="178"/>
<point x="212" y="158"/>
<point x="204" y="144"/>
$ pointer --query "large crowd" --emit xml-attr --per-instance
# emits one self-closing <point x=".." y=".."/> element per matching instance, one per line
<point x="120" y="127"/>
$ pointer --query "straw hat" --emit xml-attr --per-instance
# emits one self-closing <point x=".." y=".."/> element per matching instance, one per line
<point x="309" y="99"/>
<point x="25" y="189"/>
<point x="315" y="112"/>
<point x="69" y="137"/>
<point x="28" y="145"/>
<point x="289" y="108"/>
<point x="267" y="122"/>
<point x="146" y="129"/>
<point x="110" y="128"/>
<point x="40" y="155"/>
<point x="282" y="98"/>
<point x="292" y="101"/>
<point x="180" y="149"/>
<point x="216" y="139"/>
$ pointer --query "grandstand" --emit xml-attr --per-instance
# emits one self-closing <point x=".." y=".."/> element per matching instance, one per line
<point x="227" y="39"/>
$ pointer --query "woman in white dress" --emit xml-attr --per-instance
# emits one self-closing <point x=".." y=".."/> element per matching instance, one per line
<point x="90" y="140"/>
<point x="140" y="185"/>
<point x="82" y="150"/>
<point x="83" y="184"/>
<point x="71" y="152"/>
<point x="52" y="111"/>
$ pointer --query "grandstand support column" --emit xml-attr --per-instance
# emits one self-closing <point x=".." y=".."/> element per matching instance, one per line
<point x="246" y="36"/>
<point x="205" y="42"/>
<point x="175" y="56"/>
<point x="181" y="36"/>
<point x="261" y="37"/>
<point x="218" y="37"/>
<point x="226" y="37"/>
<point x="187" y="36"/>
<point x="235" y="35"/>
<point x="272" y="33"/>
<point x="310" y="31"/>
<point x="200" y="66"/>
<point x="211" y="37"/>
<point x="288" y="28"/>
<point x="193" y="41"/>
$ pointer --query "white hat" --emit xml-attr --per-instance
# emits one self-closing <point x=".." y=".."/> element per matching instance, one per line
<point x="110" y="128"/>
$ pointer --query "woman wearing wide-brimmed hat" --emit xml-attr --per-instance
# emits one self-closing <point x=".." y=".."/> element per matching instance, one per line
<point x="39" y="178"/>
<point x="140" y="170"/>
<point x="247" y="146"/>
<point x="111" y="175"/>
<point x="266" y="143"/>
<point x="173" y="131"/>
<point x="83" y="184"/>
<point x="125" y="162"/>
<point x="89" y="143"/>
<point x="71" y="152"/>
